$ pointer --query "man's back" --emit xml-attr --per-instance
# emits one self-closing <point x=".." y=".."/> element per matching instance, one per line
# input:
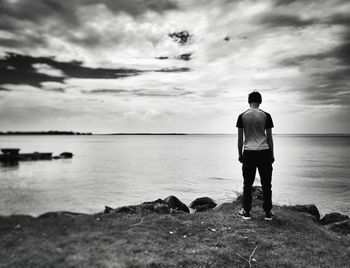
<point x="254" y="123"/>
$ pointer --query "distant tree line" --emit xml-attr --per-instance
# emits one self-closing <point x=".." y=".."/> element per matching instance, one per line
<point x="51" y="132"/>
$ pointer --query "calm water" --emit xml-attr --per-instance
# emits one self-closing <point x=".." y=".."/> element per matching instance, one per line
<point x="122" y="170"/>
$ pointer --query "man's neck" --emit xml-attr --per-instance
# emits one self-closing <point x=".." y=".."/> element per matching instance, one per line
<point x="254" y="105"/>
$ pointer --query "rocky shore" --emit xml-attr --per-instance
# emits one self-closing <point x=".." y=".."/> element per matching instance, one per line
<point x="163" y="233"/>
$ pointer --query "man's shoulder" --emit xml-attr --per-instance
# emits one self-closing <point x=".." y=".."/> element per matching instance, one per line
<point x="244" y="112"/>
<point x="266" y="113"/>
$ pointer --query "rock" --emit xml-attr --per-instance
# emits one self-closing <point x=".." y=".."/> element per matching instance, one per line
<point x="157" y="206"/>
<point x="175" y="204"/>
<point x="310" y="209"/>
<point x="107" y="210"/>
<point x="342" y="227"/>
<point x="66" y="155"/>
<point x="125" y="209"/>
<point x="203" y="204"/>
<point x="333" y="217"/>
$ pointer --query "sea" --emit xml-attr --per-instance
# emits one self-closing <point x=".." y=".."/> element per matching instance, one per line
<point x="118" y="170"/>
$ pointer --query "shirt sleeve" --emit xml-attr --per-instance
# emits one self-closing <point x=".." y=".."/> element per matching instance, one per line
<point x="239" y="122"/>
<point x="268" y="123"/>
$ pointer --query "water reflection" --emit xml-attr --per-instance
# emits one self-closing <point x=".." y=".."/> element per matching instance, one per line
<point x="9" y="165"/>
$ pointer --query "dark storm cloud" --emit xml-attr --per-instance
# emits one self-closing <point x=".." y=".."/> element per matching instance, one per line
<point x="18" y="69"/>
<point x="284" y="20"/>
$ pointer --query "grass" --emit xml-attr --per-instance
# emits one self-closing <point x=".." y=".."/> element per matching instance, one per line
<point x="216" y="238"/>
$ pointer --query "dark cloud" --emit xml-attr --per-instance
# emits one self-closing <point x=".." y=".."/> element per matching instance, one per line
<point x="303" y="2"/>
<point x="182" y="38"/>
<point x="39" y="10"/>
<point x="18" y="69"/>
<point x="174" y="70"/>
<point x="139" y="7"/>
<point x="288" y="2"/>
<point x="65" y="11"/>
<point x="338" y="19"/>
<point x="185" y="56"/>
<point x="284" y="20"/>
<point x="4" y="89"/>
<point x="162" y="58"/>
<point x="104" y="91"/>
<point x="341" y="53"/>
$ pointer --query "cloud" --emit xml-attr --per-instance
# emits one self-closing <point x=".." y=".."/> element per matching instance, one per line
<point x="24" y="70"/>
<point x="173" y="70"/>
<point x="156" y="55"/>
<point x="284" y="20"/>
<point x="104" y="91"/>
<point x="139" y="7"/>
<point x="140" y="92"/>
<point x="182" y="37"/>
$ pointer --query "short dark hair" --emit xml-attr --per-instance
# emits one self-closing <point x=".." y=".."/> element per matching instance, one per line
<point x="255" y="96"/>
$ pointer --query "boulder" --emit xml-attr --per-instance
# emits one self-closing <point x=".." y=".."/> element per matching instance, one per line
<point x="310" y="209"/>
<point x="342" y="227"/>
<point x="125" y="209"/>
<point x="333" y="217"/>
<point x="203" y="204"/>
<point x="66" y="155"/>
<point x="175" y="204"/>
<point x="157" y="206"/>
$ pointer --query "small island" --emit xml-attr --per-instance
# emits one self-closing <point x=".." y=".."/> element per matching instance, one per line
<point x="163" y="233"/>
<point x="51" y="132"/>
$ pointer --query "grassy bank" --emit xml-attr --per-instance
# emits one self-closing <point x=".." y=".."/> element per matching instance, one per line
<point x="216" y="238"/>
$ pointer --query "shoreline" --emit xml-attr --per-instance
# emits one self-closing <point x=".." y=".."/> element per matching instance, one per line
<point x="153" y="234"/>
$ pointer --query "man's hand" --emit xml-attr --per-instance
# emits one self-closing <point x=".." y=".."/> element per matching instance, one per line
<point x="240" y="159"/>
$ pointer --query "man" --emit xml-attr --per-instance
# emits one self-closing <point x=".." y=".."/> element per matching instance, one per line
<point x="256" y="151"/>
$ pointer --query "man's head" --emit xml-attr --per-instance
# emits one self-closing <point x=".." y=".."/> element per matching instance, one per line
<point x="254" y="97"/>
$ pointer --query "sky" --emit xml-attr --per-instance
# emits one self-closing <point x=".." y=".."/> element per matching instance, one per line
<point x="111" y="66"/>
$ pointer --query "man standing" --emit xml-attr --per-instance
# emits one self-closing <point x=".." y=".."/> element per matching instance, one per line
<point x="256" y="151"/>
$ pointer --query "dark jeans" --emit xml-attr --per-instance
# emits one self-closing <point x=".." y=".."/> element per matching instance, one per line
<point x="251" y="161"/>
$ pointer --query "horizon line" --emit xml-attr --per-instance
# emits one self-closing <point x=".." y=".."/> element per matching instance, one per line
<point x="70" y="132"/>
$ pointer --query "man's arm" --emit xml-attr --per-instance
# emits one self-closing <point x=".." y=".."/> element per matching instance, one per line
<point x="270" y="143"/>
<point x="240" y="144"/>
